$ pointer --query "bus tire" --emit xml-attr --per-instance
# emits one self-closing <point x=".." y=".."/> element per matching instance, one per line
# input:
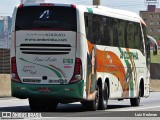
<point x="34" y="105"/>
<point x="103" y="97"/>
<point x="52" y="105"/>
<point x="136" y="101"/>
<point x="93" y="104"/>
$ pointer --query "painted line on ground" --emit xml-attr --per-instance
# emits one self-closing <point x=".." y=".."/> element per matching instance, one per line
<point x="133" y="109"/>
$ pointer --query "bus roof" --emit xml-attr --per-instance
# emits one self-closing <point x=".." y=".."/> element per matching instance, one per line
<point x="102" y="10"/>
<point x="112" y="12"/>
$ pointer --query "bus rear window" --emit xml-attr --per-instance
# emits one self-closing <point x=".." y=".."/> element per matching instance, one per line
<point x="46" y="17"/>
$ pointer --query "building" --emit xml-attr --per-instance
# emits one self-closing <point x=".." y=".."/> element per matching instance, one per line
<point x="5" y="32"/>
<point x="5" y="42"/>
<point x="1" y="24"/>
<point x="152" y="19"/>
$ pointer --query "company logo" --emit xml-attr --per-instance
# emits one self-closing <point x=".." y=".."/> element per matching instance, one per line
<point x="44" y="59"/>
<point x="128" y="55"/>
<point x="19" y="115"/>
<point x="6" y="115"/>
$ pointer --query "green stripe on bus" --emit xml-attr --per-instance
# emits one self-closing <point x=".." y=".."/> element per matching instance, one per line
<point x="129" y="74"/>
<point x="58" y="91"/>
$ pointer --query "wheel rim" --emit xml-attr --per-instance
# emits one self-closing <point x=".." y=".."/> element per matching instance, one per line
<point x="97" y="97"/>
<point x="139" y="97"/>
<point x="105" y="97"/>
<point x="105" y="93"/>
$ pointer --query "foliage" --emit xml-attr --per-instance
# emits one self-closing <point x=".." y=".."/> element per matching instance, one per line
<point x="156" y="58"/>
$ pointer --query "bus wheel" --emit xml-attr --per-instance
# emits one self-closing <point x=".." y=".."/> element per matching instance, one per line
<point x="52" y="106"/>
<point x="93" y="105"/>
<point x="136" y="101"/>
<point x="103" y="97"/>
<point x="34" y="105"/>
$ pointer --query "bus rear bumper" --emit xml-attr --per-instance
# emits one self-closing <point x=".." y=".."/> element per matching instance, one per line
<point x="57" y="92"/>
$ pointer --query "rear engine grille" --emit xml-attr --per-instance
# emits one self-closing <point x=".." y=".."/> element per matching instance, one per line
<point x="45" y="49"/>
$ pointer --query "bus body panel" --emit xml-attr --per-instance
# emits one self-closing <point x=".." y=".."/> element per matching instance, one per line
<point x="60" y="92"/>
<point x="120" y="66"/>
<point x="45" y="56"/>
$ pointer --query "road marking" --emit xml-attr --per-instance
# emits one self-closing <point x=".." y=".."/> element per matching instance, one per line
<point x="133" y="109"/>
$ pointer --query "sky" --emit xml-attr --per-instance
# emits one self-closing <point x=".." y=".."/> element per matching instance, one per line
<point x="7" y="6"/>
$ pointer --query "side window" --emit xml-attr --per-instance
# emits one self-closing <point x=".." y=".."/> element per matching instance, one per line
<point x="115" y="33"/>
<point x="138" y="42"/>
<point x="130" y="35"/>
<point x="111" y="30"/>
<point x="86" y="23"/>
<point x="121" y="35"/>
<point x="104" y="30"/>
<point x="147" y="46"/>
<point x="126" y="34"/>
<point x="88" y="26"/>
<point x="137" y="36"/>
<point x="146" y="40"/>
<point x="101" y="30"/>
<point x="96" y="29"/>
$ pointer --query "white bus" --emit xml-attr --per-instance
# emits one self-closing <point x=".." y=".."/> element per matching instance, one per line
<point x="72" y="53"/>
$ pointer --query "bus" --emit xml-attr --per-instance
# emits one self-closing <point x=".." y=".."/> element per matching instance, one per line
<point x="64" y="53"/>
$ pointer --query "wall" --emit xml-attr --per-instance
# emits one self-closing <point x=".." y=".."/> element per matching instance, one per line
<point x="155" y="71"/>
<point x="5" y="85"/>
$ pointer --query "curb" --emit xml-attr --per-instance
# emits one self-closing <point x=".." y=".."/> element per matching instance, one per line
<point x="8" y="98"/>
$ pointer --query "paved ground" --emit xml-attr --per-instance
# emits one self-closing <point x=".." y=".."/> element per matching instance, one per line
<point x="116" y="109"/>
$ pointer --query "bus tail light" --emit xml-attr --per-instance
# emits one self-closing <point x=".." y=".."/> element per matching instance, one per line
<point x="77" y="75"/>
<point x="15" y="76"/>
<point x="21" y="5"/>
<point x="73" y="6"/>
